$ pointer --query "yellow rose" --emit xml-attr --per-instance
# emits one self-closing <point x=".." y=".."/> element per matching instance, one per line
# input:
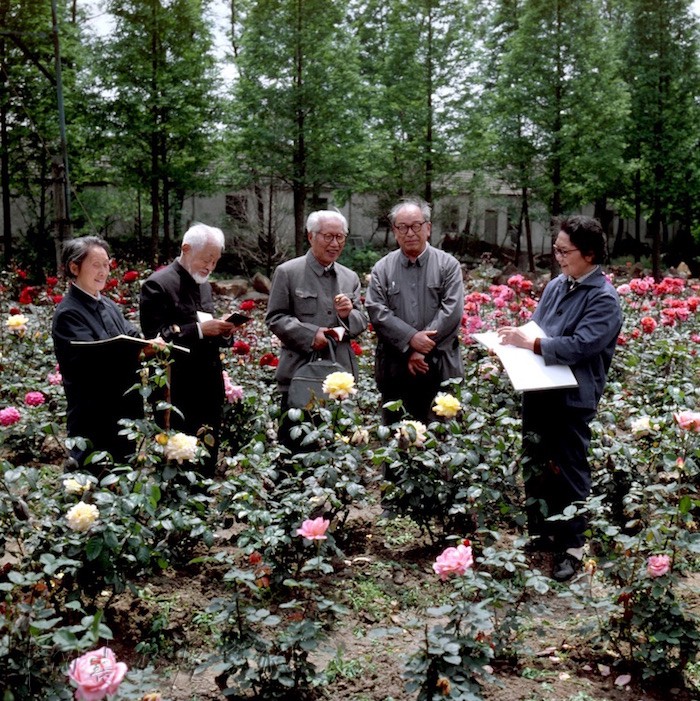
<point x="81" y="516"/>
<point x="360" y="437"/>
<point x="17" y="323"/>
<point x="339" y="385"/>
<point x="73" y="486"/>
<point x="411" y="433"/>
<point x="446" y="405"/>
<point x="181" y="447"/>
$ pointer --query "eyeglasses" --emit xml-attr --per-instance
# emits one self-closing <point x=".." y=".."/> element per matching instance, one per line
<point x="415" y="227"/>
<point x="563" y="252"/>
<point x="328" y="238"/>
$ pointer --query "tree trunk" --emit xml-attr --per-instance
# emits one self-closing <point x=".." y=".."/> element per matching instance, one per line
<point x="638" y="216"/>
<point x="154" y="179"/>
<point x="525" y="217"/>
<point x="299" y="158"/>
<point x="5" y="154"/>
<point x="428" y="192"/>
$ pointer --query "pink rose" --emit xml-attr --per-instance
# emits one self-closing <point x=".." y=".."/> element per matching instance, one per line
<point x="9" y="416"/>
<point x="234" y="393"/>
<point x="314" y="529"/>
<point x="55" y="378"/>
<point x="688" y="420"/>
<point x="96" y="674"/>
<point x="34" y="399"/>
<point x="454" y="561"/>
<point x="658" y="565"/>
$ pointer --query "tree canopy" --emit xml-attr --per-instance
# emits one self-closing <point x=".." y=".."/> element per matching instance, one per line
<point x="568" y="103"/>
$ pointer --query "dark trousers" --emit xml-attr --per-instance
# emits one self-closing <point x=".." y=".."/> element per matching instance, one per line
<point x="417" y="392"/>
<point x="556" y="439"/>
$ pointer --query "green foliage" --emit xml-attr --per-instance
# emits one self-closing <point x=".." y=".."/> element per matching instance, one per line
<point x="284" y="596"/>
<point x="361" y="260"/>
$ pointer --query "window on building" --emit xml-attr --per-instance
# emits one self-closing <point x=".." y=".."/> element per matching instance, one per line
<point x="491" y="226"/>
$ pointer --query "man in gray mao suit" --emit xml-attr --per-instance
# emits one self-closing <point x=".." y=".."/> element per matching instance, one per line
<point x="310" y="296"/>
<point x="415" y="302"/>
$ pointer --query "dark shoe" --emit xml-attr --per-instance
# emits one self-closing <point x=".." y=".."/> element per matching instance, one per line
<point x="539" y="544"/>
<point x="565" y="567"/>
<point x="71" y="465"/>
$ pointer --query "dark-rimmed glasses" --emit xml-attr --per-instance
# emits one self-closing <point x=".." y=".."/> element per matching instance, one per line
<point x="328" y="238"/>
<point x="563" y="252"/>
<point x="415" y="227"/>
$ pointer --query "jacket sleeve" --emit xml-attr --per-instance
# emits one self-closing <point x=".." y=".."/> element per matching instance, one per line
<point x="356" y="322"/>
<point x="280" y="317"/>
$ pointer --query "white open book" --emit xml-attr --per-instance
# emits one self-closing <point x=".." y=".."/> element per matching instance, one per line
<point x="123" y="341"/>
<point x="525" y="369"/>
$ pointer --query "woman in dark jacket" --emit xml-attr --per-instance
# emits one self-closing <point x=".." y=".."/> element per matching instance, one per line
<point x="95" y="378"/>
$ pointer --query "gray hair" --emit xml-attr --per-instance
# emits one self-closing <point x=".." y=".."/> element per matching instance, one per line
<point x="313" y="223"/>
<point x="410" y="202"/>
<point x="199" y="235"/>
<point x="76" y="251"/>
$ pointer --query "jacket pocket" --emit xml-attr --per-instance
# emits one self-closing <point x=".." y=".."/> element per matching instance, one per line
<point x="305" y="303"/>
<point x="393" y="297"/>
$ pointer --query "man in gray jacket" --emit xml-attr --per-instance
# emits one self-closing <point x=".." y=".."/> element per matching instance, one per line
<point x="311" y="296"/>
<point x="415" y="302"/>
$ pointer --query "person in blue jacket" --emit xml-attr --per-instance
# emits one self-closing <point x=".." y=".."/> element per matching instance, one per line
<point x="581" y="316"/>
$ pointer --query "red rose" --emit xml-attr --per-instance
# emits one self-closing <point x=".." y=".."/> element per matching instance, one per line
<point x="113" y="264"/>
<point x="56" y="298"/>
<point x="247" y="305"/>
<point x="25" y="296"/>
<point x="241" y="348"/>
<point x="130" y="276"/>
<point x="269" y="360"/>
<point x="255" y="558"/>
<point x="15" y="310"/>
<point x="51" y="281"/>
<point x="356" y="348"/>
<point x="21" y="274"/>
<point x="111" y="283"/>
<point x="648" y="324"/>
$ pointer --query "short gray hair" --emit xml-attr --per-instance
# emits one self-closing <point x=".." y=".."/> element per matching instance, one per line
<point x="410" y="202"/>
<point x="199" y="235"/>
<point x="76" y="251"/>
<point x="313" y="223"/>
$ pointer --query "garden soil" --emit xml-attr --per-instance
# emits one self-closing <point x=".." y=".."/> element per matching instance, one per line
<point x="366" y="650"/>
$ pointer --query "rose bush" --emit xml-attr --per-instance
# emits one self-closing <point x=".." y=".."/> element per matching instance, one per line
<point x="456" y="476"/>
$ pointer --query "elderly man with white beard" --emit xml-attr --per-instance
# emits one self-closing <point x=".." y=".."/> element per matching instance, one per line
<point x="170" y="300"/>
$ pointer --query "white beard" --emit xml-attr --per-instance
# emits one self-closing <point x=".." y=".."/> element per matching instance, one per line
<point x="199" y="279"/>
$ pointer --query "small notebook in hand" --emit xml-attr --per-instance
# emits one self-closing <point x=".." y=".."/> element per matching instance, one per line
<point x="237" y="319"/>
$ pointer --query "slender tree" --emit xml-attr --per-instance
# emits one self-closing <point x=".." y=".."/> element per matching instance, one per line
<point x="556" y="102"/>
<point x="29" y="116"/>
<point x="661" y="67"/>
<point x="295" y="106"/>
<point x="417" y="59"/>
<point x="158" y="72"/>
